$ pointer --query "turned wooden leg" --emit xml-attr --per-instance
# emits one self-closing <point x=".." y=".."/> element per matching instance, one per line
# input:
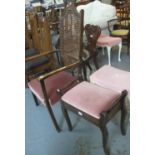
<point x="65" y="113"/>
<point x="35" y="99"/>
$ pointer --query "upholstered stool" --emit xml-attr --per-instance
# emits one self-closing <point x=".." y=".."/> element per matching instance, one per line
<point x="111" y="78"/>
<point x="95" y="104"/>
<point x="109" y="42"/>
<point x="115" y="79"/>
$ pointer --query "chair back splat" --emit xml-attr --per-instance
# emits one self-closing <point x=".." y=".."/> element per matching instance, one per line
<point x="71" y="35"/>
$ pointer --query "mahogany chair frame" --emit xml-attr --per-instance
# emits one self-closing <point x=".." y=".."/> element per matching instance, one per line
<point x="105" y="117"/>
<point x="70" y="61"/>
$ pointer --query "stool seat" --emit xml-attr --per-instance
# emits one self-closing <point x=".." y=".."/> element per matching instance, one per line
<point x="111" y="78"/>
<point x="90" y="98"/>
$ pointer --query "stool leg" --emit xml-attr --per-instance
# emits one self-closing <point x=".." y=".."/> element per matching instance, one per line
<point x="119" y="51"/>
<point x="65" y="113"/>
<point x="108" y="51"/>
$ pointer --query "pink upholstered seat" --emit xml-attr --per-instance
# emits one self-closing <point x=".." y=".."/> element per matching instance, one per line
<point x="52" y="83"/>
<point x="90" y="98"/>
<point x="105" y="40"/>
<point x="111" y="78"/>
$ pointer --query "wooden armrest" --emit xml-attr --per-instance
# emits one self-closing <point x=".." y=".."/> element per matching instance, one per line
<point x="37" y="56"/>
<point x="46" y="75"/>
<point x="114" y="21"/>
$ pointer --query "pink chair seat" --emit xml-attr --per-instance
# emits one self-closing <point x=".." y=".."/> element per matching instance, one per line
<point x="52" y="83"/>
<point x="105" y="40"/>
<point x="111" y="78"/>
<point x="90" y="98"/>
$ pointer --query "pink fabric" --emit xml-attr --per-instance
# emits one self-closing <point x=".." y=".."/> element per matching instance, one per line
<point x="111" y="78"/>
<point x="52" y="84"/>
<point x="90" y="98"/>
<point x="105" y="40"/>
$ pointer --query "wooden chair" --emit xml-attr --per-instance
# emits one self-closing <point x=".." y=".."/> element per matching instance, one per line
<point x="40" y="55"/>
<point x="44" y="88"/>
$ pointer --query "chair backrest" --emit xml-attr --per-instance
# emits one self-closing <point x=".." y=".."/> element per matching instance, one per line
<point x="40" y="33"/>
<point x="124" y="11"/>
<point x="92" y="33"/>
<point x="71" y="35"/>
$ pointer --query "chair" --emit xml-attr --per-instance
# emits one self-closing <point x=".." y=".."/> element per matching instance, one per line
<point x="109" y="42"/>
<point x="122" y="25"/>
<point x="95" y="104"/>
<point x="40" y="55"/>
<point x="90" y="52"/>
<point x="117" y="80"/>
<point x="44" y="88"/>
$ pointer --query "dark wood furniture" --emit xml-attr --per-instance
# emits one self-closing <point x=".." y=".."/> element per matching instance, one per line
<point x="44" y="87"/>
<point x="95" y="104"/>
<point x="92" y="33"/>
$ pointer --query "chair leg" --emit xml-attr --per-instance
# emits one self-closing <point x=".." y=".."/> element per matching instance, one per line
<point x="109" y="53"/>
<point x="53" y="117"/>
<point x="105" y="139"/>
<point x="84" y="71"/>
<point x="35" y="99"/>
<point x="57" y="55"/>
<point x="89" y="66"/>
<point x="65" y="113"/>
<point x="95" y="62"/>
<point x="119" y="51"/>
<point x="124" y="117"/>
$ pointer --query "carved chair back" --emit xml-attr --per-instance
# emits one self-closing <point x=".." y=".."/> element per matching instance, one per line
<point x="92" y="33"/>
<point x="40" y="33"/>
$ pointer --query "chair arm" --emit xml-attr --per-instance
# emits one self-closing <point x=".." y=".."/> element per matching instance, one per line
<point x="46" y="75"/>
<point x="37" y="56"/>
<point x="111" y="23"/>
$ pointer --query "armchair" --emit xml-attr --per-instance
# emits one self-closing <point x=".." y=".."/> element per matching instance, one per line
<point x="44" y="88"/>
<point x="122" y="25"/>
<point x="39" y="51"/>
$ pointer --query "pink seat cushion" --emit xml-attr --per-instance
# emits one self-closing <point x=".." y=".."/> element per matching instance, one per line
<point x="52" y="83"/>
<point x="112" y="78"/>
<point x="105" y="40"/>
<point x="91" y="99"/>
